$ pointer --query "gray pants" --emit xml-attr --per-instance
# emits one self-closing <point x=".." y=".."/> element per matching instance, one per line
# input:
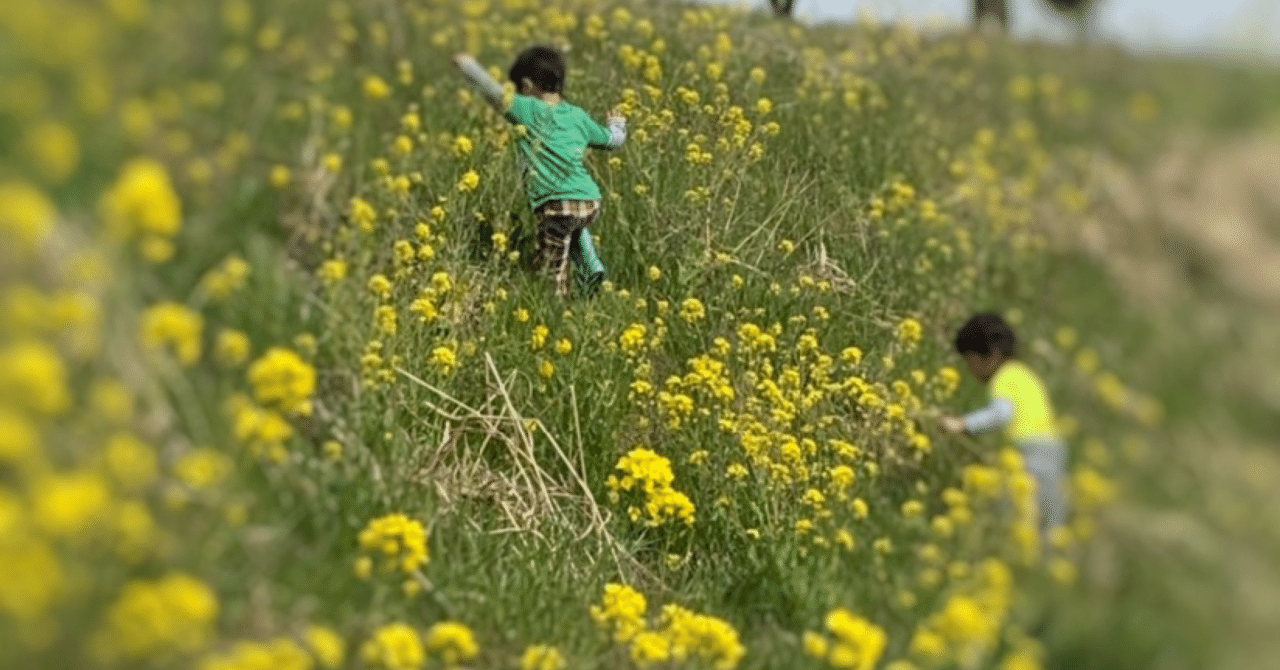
<point x="1046" y="462"/>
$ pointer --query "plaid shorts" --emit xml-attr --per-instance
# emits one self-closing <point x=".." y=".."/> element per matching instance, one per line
<point x="575" y="209"/>
<point x="558" y="222"/>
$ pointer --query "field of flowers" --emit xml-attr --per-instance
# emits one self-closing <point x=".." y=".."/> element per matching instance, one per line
<point x="277" y="390"/>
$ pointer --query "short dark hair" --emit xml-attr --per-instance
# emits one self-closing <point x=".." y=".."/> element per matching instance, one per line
<point x="984" y="333"/>
<point x="542" y="65"/>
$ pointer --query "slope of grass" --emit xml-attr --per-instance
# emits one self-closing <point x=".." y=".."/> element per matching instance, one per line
<point x="282" y="394"/>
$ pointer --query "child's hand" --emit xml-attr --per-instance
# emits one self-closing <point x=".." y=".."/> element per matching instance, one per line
<point x="952" y="424"/>
<point x="460" y="58"/>
<point x="615" y="114"/>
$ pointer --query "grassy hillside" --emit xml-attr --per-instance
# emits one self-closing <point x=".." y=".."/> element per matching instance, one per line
<point x="276" y="390"/>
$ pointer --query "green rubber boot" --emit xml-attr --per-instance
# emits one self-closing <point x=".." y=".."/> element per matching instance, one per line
<point x="591" y="271"/>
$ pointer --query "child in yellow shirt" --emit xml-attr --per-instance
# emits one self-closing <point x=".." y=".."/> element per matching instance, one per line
<point x="1020" y="405"/>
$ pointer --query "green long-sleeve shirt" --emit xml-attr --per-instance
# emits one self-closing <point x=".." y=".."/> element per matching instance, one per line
<point x="554" y="140"/>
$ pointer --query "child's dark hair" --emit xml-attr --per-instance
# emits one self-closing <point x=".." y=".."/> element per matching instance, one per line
<point x="542" y="65"/>
<point x="984" y="333"/>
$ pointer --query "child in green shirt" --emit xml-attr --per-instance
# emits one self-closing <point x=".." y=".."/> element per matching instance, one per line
<point x="1020" y="405"/>
<point x="556" y="134"/>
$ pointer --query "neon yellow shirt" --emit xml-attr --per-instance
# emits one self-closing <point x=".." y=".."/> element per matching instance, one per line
<point x="1032" y="411"/>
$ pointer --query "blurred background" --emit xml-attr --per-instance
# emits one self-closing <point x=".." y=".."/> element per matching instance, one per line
<point x="1226" y="27"/>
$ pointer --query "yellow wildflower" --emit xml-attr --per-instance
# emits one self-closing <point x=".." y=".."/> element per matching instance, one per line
<point x="174" y="613"/>
<point x="176" y="326"/>
<point x="333" y="271"/>
<point x="385" y="319"/>
<point x="375" y="88"/>
<point x="142" y="203"/>
<point x="649" y="648"/>
<point x="444" y="359"/>
<point x="232" y="347"/>
<point x="395" y="646"/>
<point x="18" y="438"/>
<point x="633" y="338"/>
<point x="264" y="430"/>
<point x="622" y="612"/>
<point x="541" y="657"/>
<point x="130" y="462"/>
<point x="691" y="310"/>
<point x="963" y="622"/>
<point x="26" y="215"/>
<point x="227" y="278"/>
<point x="462" y="145"/>
<point x="283" y="381"/>
<point x="857" y="643"/>
<point x="69" y="504"/>
<point x="815" y="644"/>
<point x="540" y="333"/>
<point x="400" y="540"/>
<point x="363" y="214"/>
<point x="928" y="645"/>
<point x="53" y="149"/>
<point x="34" y="377"/>
<point x="909" y="332"/>
<point x="202" y="468"/>
<point x="470" y="181"/>
<point x="327" y="645"/>
<point x="452" y="641"/>
<point x="43" y="580"/>
<point x="693" y="635"/>
<point x="280" y="176"/>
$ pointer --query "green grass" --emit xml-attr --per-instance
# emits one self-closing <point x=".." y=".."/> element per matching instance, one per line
<point x="910" y="179"/>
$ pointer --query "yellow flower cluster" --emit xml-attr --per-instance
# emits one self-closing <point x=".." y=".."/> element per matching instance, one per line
<point x="26" y="215"/>
<point x="623" y="612"/>
<point x="854" y="643"/>
<point x="692" y="310"/>
<point x="647" y="472"/>
<point x="692" y="635"/>
<point x="202" y="468"/>
<point x="397" y="646"/>
<point x="452" y="642"/>
<point x="28" y="600"/>
<point x="400" y="541"/>
<point x="17" y="438"/>
<point x="143" y="205"/>
<point x="177" y="327"/>
<point x="68" y="504"/>
<point x="970" y="621"/>
<point x="1091" y="490"/>
<point x="632" y="339"/>
<point x="444" y="359"/>
<point x="175" y="613"/>
<point x="541" y="657"/>
<point x="34" y="378"/>
<point x="227" y="278"/>
<point x="263" y="430"/>
<point x="680" y="635"/>
<point x="231" y="347"/>
<point x="909" y="332"/>
<point x="283" y="382"/>
<point x="320" y="646"/>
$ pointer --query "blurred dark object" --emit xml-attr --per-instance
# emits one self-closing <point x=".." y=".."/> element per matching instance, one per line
<point x="481" y="242"/>
<point x="991" y="10"/>
<point x="783" y="8"/>
<point x="997" y="11"/>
